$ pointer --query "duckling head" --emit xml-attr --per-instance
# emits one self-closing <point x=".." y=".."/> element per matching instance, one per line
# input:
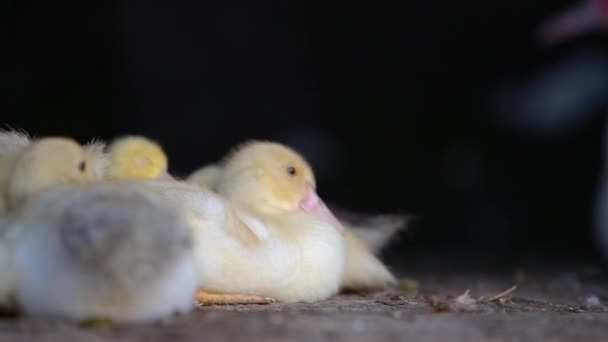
<point x="47" y="162"/>
<point x="137" y="157"/>
<point x="271" y="179"/>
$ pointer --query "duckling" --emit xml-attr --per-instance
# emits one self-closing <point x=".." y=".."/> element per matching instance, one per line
<point x="290" y="249"/>
<point x="107" y="251"/>
<point x="44" y="163"/>
<point x="13" y="143"/>
<point x="276" y="188"/>
<point x="364" y="270"/>
<point x="137" y="157"/>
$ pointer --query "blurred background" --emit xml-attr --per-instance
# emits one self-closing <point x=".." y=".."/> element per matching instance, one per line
<point x="484" y="118"/>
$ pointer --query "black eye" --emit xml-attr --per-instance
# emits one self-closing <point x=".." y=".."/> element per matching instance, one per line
<point x="82" y="166"/>
<point x="291" y="170"/>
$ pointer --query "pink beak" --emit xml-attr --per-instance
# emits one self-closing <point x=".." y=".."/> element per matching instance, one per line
<point x="165" y="176"/>
<point x="313" y="204"/>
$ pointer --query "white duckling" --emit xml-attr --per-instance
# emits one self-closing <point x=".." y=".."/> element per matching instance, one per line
<point x="289" y="249"/>
<point x="106" y="251"/>
<point x="363" y="269"/>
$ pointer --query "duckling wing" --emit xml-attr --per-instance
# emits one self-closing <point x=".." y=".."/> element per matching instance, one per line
<point x="208" y="211"/>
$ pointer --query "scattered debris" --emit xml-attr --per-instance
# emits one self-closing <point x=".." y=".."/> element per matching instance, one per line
<point x="436" y="304"/>
<point x="501" y="297"/>
<point x="464" y="302"/>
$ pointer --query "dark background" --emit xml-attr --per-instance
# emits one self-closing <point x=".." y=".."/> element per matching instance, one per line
<point x="392" y="101"/>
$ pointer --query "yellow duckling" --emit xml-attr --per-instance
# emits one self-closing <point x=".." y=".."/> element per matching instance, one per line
<point x="44" y="163"/>
<point x="364" y="270"/>
<point x="277" y="186"/>
<point x="290" y="249"/>
<point x="13" y="143"/>
<point x="137" y="157"/>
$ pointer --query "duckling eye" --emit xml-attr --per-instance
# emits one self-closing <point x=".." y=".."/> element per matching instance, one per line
<point x="82" y="166"/>
<point x="291" y="170"/>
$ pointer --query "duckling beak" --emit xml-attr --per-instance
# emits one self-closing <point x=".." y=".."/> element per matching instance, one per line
<point x="165" y="176"/>
<point x="313" y="204"/>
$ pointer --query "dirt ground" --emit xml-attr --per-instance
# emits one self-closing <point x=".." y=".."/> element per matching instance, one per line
<point x="567" y="303"/>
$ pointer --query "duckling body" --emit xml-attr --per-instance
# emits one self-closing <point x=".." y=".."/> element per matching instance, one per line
<point x="292" y="257"/>
<point x="104" y="251"/>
